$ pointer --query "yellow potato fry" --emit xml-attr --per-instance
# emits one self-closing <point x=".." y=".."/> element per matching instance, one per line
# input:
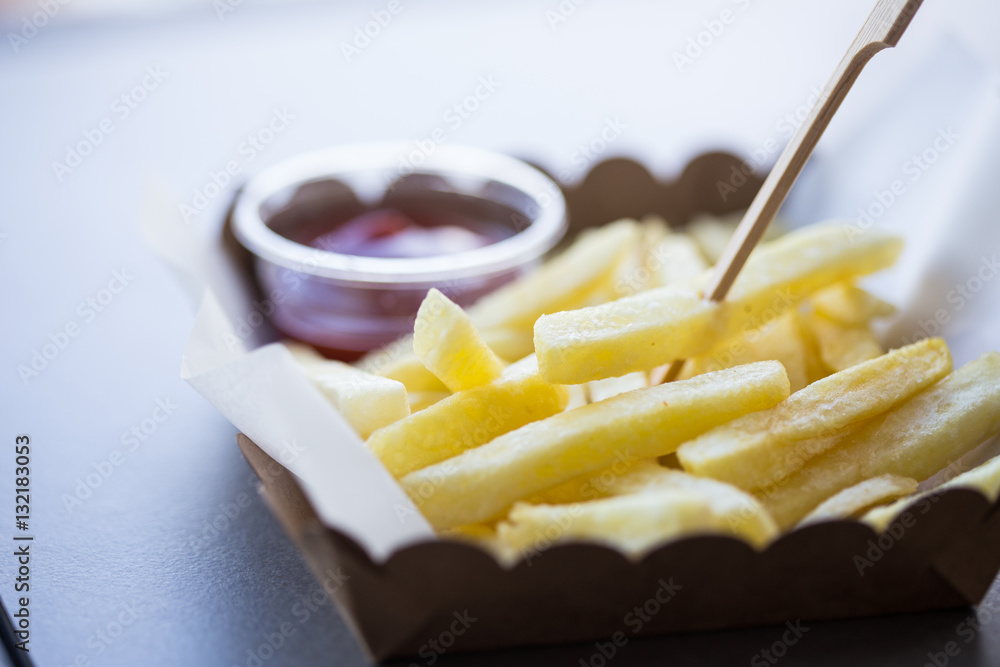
<point x="368" y="402"/>
<point x="850" y="305"/>
<point x="863" y="496"/>
<point x="577" y="397"/>
<point x="398" y="361"/>
<point x="675" y="259"/>
<point x="420" y="400"/>
<point x="561" y="283"/>
<point x="842" y="346"/>
<point x="780" y="340"/>
<point x="984" y="478"/>
<point x="483" y="482"/>
<point x="639" y="521"/>
<point x="712" y="233"/>
<point x="448" y="343"/>
<point x="659" y="325"/>
<point x="468" y="419"/>
<point x="598" y="390"/>
<point x="623" y="476"/>
<point x="754" y="450"/>
<point x="916" y="439"/>
<point x="510" y="344"/>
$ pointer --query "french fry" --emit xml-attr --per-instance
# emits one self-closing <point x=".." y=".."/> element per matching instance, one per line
<point x="675" y="259"/>
<point x="467" y="419"/>
<point x="984" y="478"/>
<point x="398" y="361"/>
<point x="678" y="506"/>
<point x="419" y="400"/>
<point x="916" y="439"/>
<point x="855" y="500"/>
<point x="448" y="343"/>
<point x="563" y="282"/>
<point x="483" y="482"/>
<point x="628" y="473"/>
<point x="780" y="340"/>
<point x="659" y="325"/>
<point x="598" y="390"/>
<point x="753" y="451"/>
<point x="850" y="305"/>
<point x="841" y="345"/>
<point x="510" y="344"/>
<point x="712" y="232"/>
<point x="368" y="402"/>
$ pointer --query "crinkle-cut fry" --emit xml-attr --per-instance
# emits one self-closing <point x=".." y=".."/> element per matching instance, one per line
<point x="481" y="483"/>
<point x="863" y="496"/>
<point x="842" y="346"/>
<point x="984" y="478"/>
<point x="915" y="439"/>
<point x="467" y="419"/>
<point x="563" y="282"/>
<point x="368" y="402"/>
<point x="850" y="305"/>
<point x="637" y="522"/>
<point x="780" y="340"/>
<point x="659" y="325"/>
<point x="756" y="450"/>
<point x="451" y="347"/>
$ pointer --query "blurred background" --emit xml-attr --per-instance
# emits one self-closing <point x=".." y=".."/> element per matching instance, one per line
<point x="118" y="110"/>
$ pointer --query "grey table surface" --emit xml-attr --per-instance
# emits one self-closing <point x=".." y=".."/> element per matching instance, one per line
<point x="127" y="568"/>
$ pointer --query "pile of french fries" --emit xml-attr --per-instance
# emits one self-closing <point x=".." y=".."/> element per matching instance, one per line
<point x="534" y="417"/>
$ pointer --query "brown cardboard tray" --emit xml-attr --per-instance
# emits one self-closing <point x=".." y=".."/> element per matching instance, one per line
<point x="943" y="552"/>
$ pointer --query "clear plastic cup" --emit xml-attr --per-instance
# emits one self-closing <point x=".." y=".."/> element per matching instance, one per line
<point x="347" y="304"/>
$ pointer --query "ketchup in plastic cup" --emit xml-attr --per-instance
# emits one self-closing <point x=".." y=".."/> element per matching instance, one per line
<point x="348" y="240"/>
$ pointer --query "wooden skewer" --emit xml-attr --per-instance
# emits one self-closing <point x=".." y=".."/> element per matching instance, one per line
<point x="883" y="28"/>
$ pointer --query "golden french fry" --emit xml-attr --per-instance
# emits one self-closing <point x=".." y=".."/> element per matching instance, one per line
<point x="368" y="402"/>
<point x="850" y="305"/>
<point x="659" y="325"/>
<point x="678" y="506"/>
<point x="598" y="390"/>
<point x="916" y="439"/>
<point x="481" y="483"/>
<point x="398" y="361"/>
<point x="467" y="419"/>
<point x="563" y="282"/>
<point x="510" y="344"/>
<point x="675" y="259"/>
<point x="754" y="450"/>
<point x="984" y="478"/>
<point x="780" y="340"/>
<point x="420" y="400"/>
<point x="842" y="346"/>
<point x="625" y="475"/>
<point x="448" y="343"/>
<point x="712" y="232"/>
<point x="863" y="496"/>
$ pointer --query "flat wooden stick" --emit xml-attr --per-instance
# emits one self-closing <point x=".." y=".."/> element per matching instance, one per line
<point x="883" y="28"/>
